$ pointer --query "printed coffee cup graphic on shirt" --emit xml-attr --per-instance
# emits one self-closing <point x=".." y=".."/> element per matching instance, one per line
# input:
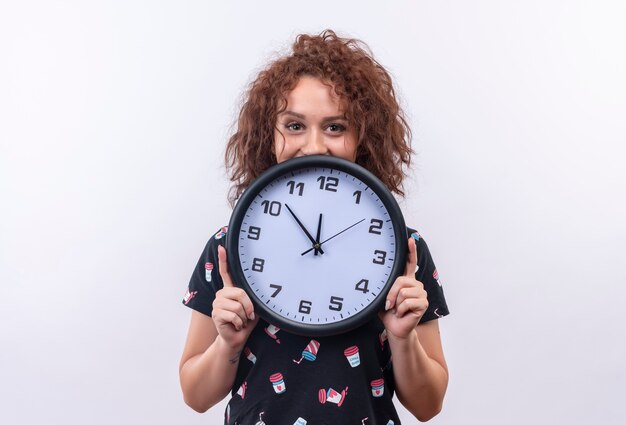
<point x="271" y="331"/>
<point x="310" y="352"/>
<point x="352" y="354"/>
<point x="278" y="383"/>
<point x="300" y="421"/>
<point x="249" y="355"/>
<point x="221" y="233"/>
<point x="436" y="276"/>
<point x="189" y="296"/>
<point x="209" y="268"/>
<point x="260" y="422"/>
<point x="242" y="390"/>
<point x="332" y="396"/>
<point x="378" y="387"/>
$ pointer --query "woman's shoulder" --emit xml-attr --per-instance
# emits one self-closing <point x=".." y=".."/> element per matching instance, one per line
<point x="419" y="239"/>
<point x="218" y="238"/>
<point x="205" y="280"/>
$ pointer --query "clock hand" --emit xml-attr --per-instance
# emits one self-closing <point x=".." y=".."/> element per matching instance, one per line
<point x="336" y="234"/>
<point x="316" y="245"/>
<point x="317" y="237"/>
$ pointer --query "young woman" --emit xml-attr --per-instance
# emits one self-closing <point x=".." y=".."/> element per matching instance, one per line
<point x="329" y="97"/>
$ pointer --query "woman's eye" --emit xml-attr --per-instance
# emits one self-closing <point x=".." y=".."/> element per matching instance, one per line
<point x="336" y="128"/>
<point x="294" y="126"/>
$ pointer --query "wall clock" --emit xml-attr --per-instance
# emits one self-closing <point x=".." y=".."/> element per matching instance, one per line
<point x="316" y="242"/>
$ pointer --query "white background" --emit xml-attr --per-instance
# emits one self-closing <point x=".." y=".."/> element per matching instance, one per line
<point x="113" y="119"/>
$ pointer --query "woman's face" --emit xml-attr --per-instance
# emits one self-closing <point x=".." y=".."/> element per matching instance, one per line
<point x="313" y="123"/>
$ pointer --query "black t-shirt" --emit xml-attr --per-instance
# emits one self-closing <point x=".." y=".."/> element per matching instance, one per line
<point x="287" y="379"/>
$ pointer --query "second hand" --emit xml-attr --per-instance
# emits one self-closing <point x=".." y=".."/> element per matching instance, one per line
<point x="336" y="234"/>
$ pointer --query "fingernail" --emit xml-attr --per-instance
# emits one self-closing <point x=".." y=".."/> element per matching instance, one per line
<point x="252" y="316"/>
<point x="387" y="305"/>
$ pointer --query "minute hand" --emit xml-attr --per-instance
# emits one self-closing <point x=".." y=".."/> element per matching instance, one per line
<point x="336" y="234"/>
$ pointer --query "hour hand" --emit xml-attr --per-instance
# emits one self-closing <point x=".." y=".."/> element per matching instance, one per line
<point x="316" y="245"/>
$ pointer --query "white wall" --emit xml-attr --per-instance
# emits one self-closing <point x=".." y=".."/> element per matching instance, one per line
<point x="113" y="118"/>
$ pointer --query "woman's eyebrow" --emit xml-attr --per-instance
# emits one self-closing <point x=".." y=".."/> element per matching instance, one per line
<point x="325" y="119"/>
<point x="295" y="114"/>
<point x="335" y="118"/>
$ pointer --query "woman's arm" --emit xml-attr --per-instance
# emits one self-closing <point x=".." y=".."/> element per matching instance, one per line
<point x="420" y="370"/>
<point x="208" y="366"/>
<point x="419" y="367"/>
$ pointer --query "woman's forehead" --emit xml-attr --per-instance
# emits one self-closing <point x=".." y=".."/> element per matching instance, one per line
<point x="313" y="94"/>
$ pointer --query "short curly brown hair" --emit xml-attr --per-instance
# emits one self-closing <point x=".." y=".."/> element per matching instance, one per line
<point x="383" y="135"/>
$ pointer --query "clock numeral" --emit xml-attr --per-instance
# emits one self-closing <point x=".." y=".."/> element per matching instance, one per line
<point x="380" y="257"/>
<point x="305" y="307"/>
<point x="376" y="225"/>
<point x="328" y="183"/>
<point x="273" y="207"/>
<point x="357" y="194"/>
<point x="336" y="303"/>
<point x="362" y="285"/>
<point x="293" y="186"/>
<point x="258" y="264"/>
<point x="254" y="233"/>
<point x="278" y="289"/>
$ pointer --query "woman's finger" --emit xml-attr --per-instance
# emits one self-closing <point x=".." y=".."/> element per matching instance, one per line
<point x="223" y="265"/>
<point x="232" y="306"/>
<point x="401" y="282"/>
<point x="412" y="305"/>
<point x="411" y="258"/>
<point x="228" y="317"/>
<point x="408" y="292"/>
<point x="241" y="296"/>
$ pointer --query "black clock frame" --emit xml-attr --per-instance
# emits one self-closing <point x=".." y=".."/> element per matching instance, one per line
<point x="275" y="172"/>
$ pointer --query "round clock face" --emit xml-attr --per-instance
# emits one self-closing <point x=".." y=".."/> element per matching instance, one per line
<point x="316" y="242"/>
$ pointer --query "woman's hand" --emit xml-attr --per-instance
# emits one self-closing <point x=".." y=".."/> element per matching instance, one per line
<point x="233" y="313"/>
<point x="406" y="302"/>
